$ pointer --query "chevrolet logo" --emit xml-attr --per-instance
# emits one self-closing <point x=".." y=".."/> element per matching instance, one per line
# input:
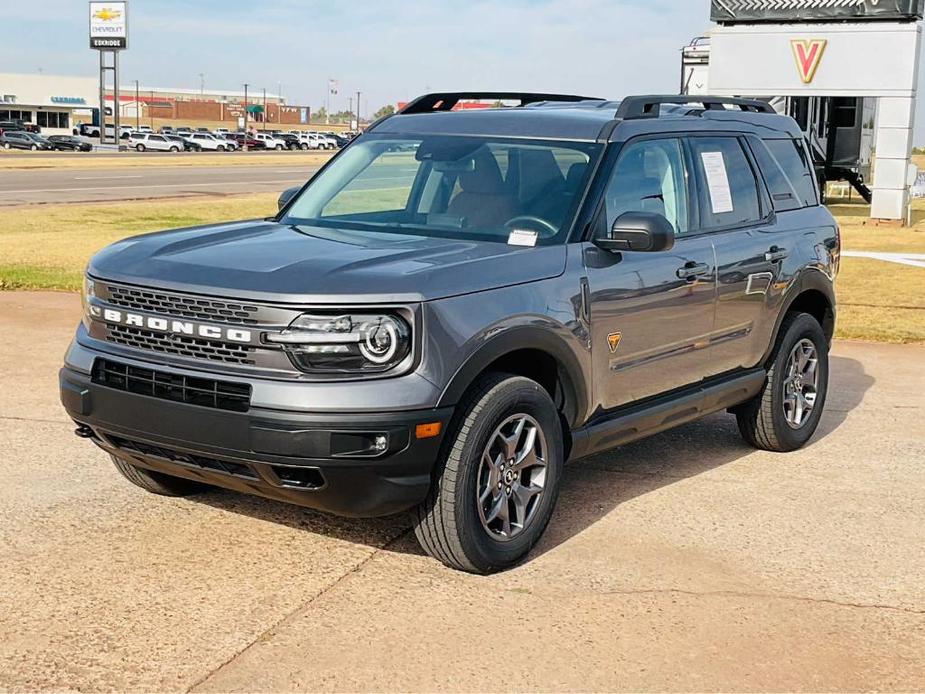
<point x="107" y="14"/>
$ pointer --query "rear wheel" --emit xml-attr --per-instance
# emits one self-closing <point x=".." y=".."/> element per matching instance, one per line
<point x="34" y="148"/>
<point x="786" y="413"/>
<point x="174" y="148"/>
<point x="221" y="148"/>
<point x="157" y="482"/>
<point x="303" y="146"/>
<point x="140" y="147"/>
<point x="495" y="492"/>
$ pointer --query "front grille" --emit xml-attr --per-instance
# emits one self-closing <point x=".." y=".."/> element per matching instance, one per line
<point x="179" y="305"/>
<point x="199" y="461"/>
<point x="205" y="392"/>
<point x="180" y="345"/>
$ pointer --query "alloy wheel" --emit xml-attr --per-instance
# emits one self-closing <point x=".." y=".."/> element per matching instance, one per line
<point x="511" y="477"/>
<point x="801" y="385"/>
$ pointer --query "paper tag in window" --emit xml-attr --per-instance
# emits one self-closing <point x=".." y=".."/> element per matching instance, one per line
<point x="522" y="237"/>
<point x="714" y="166"/>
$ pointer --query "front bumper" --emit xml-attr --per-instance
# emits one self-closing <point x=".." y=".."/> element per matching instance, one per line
<point x="280" y="454"/>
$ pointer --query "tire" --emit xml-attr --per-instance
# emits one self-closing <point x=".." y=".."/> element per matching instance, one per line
<point x="34" y="148"/>
<point x="303" y="146"/>
<point x="140" y="147"/>
<point x="6" y="145"/>
<point x="174" y="148"/>
<point x="769" y="420"/>
<point x="157" y="482"/>
<point x="221" y="148"/>
<point x="279" y="148"/>
<point x="450" y="523"/>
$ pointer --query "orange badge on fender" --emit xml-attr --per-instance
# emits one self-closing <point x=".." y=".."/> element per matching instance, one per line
<point x="614" y="341"/>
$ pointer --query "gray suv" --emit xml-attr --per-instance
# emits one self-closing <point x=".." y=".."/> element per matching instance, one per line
<point x="461" y="301"/>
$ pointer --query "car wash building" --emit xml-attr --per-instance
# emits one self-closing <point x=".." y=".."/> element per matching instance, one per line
<point x="846" y="70"/>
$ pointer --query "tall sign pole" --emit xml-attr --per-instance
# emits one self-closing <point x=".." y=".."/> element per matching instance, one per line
<point x="109" y="35"/>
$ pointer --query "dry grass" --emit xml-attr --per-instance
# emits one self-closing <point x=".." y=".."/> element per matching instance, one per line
<point x="94" y="160"/>
<point x="48" y="246"/>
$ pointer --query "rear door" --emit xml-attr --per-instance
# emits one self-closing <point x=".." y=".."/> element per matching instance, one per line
<point x="651" y="313"/>
<point x="751" y="242"/>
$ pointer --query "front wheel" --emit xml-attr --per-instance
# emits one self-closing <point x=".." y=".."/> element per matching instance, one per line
<point x="303" y="146"/>
<point x="221" y="148"/>
<point x="140" y="148"/>
<point x="174" y="148"/>
<point x="497" y="486"/>
<point x="34" y="148"/>
<point x="786" y="413"/>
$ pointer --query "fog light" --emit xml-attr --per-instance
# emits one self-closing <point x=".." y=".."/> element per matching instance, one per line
<point x="359" y="444"/>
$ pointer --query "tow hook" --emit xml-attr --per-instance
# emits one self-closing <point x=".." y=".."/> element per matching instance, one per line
<point x="84" y="432"/>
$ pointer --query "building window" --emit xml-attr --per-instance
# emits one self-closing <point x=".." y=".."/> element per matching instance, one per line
<point x="15" y="114"/>
<point x="52" y="119"/>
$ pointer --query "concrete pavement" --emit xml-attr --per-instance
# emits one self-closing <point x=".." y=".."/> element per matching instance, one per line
<point x="685" y="562"/>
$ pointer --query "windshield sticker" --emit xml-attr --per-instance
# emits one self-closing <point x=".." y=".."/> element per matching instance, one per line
<point x="714" y="166"/>
<point x="522" y="237"/>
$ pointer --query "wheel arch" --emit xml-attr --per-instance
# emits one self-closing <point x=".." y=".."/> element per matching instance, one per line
<point x="814" y="295"/>
<point x="534" y="353"/>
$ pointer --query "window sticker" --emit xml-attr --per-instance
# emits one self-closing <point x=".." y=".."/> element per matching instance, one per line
<point x="714" y="166"/>
<point x="522" y="237"/>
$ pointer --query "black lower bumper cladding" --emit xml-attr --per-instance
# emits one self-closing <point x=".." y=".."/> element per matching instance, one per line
<point x="178" y="426"/>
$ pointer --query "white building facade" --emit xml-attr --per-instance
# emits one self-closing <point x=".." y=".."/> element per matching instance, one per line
<point x="55" y="103"/>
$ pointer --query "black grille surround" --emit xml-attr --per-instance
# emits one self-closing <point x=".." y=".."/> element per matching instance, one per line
<point x="205" y="392"/>
<point x="181" y="345"/>
<point x="180" y="306"/>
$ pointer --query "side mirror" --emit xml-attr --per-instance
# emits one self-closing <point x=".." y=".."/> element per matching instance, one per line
<point x="639" y="231"/>
<point x="286" y="196"/>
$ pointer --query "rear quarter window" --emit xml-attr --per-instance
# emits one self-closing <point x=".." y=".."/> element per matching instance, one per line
<point x="791" y="156"/>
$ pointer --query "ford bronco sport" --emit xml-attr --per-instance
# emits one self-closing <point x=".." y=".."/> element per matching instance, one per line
<point x="459" y="302"/>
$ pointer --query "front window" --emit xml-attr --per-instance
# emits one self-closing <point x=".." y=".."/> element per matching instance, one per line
<point x="477" y="188"/>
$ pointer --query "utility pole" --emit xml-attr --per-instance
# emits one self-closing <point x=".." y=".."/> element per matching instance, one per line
<point x="202" y="84"/>
<point x="358" y="111"/>
<point x="245" y="117"/>
<point x="264" y="108"/>
<point x="137" y="108"/>
<point x="151" y="110"/>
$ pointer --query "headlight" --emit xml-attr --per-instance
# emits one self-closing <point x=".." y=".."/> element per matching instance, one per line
<point x="87" y="292"/>
<point x="351" y="343"/>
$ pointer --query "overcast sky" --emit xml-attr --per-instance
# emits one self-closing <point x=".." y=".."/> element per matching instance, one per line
<point x="391" y="50"/>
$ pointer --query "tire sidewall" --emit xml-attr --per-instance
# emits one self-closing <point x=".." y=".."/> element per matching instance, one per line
<point x="510" y="397"/>
<point x="804" y="326"/>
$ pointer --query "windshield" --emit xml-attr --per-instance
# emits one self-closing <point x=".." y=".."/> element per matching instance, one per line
<point x="492" y="189"/>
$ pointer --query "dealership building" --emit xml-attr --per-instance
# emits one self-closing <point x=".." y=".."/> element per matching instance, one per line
<point x="53" y="102"/>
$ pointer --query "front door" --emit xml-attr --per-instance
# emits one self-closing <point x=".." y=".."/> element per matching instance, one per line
<point x="651" y="313"/>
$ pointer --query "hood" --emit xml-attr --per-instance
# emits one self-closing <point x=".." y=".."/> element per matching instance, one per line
<point x="264" y="260"/>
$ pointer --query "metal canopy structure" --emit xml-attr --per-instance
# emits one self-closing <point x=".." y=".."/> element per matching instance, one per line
<point x="826" y="53"/>
<point x="751" y="11"/>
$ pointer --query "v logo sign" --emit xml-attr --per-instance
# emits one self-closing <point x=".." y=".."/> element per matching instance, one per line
<point x="808" y="54"/>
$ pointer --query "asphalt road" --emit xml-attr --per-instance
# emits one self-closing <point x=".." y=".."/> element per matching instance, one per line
<point x="18" y="187"/>
<point x="684" y="562"/>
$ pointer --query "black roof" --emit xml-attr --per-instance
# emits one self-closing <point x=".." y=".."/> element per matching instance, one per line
<point x="544" y="116"/>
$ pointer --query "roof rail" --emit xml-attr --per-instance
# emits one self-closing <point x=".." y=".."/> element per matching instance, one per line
<point x="648" y="106"/>
<point x="445" y="101"/>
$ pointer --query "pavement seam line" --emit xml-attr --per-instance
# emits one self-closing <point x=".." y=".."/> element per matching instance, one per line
<point x="771" y="596"/>
<point x="35" y="419"/>
<point x="301" y="609"/>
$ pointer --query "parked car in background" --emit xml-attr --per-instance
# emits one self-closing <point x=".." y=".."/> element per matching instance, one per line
<point x="155" y="142"/>
<point x="144" y="129"/>
<point x="229" y="141"/>
<point x="21" y="139"/>
<point x="166" y="130"/>
<point x="184" y="140"/>
<point x="271" y="141"/>
<point x="70" y="143"/>
<point x="309" y="141"/>
<point x="208" y="141"/>
<point x="19" y="124"/>
<point x="183" y="130"/>
<point x="241" y="139"/>
<point x="292" y="141"/>
<point x="221" y="132"/>
<point x="341" y="141"/>
<point x="202" y="130"/>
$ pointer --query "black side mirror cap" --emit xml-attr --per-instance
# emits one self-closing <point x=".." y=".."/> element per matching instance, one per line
<point x="286" y="196"/>
<point x="646" y="232"/>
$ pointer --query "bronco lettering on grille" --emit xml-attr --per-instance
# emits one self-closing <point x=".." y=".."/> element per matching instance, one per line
<point x="166" y="325"/>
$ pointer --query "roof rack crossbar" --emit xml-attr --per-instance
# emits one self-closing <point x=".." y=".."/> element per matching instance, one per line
<point x="445" y="101"/>
<point x="633" y="107"/>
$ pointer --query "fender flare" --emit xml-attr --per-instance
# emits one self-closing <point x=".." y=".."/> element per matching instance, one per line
<point x="808" y="280"/>
<point x="571" y="375"/>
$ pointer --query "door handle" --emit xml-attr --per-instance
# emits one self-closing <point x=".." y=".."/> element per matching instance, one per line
<point x="693" y="270"/>
<point x="776" y="253"/>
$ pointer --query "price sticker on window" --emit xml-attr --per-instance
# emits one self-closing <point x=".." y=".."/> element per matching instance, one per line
<point x="714" y="167"/>
<point x="522" y="237"/>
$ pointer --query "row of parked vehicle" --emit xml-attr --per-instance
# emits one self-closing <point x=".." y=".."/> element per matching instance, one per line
<point x="23" y="139"/>
<point x="170" y="139"/>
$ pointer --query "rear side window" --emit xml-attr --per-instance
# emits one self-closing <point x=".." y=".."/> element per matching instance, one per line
<point x="791" y="156"/>
<point x="729" y="190"/>
<point x="783" y="195"/>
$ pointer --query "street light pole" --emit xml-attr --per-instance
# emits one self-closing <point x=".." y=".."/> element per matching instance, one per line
<point x="358" y="111"/>
<point x="137" y="108"/>
<point x="245" y="117"/>
<point x="264" y="108"/>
